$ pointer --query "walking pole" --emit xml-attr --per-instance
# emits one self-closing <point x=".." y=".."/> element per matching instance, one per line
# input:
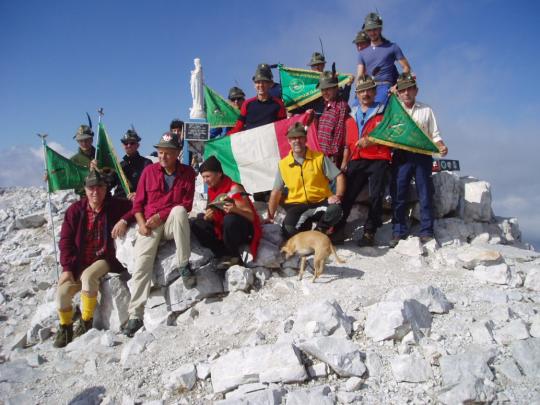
<point x="43" y="136"/>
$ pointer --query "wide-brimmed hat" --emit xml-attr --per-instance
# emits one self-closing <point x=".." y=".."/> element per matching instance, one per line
<point x="405" y="80"/>
<point x="372" y="21"/>
<point x="365" y="83"/>
<point x="130" y="136"/>
<point x="361" y="36"/>
<point x="83" y="132"/>
<point x="263" y="73"/>
<point x="296" y="130"/>
<point x="94" y="178"/>
<point x="316" y="59"/>
<point x="327" y="80"/>
<point x="168" y="140"/>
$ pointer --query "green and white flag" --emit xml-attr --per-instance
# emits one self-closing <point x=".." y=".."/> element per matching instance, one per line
<point x="398" y="130"/>
<point x="107" y="159"/>
<point x="299" y="86"/>
<point x="62" y="173"/>
<point x="219" y="113"/>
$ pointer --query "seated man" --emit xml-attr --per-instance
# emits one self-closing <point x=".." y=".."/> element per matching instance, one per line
<point x="87" y="253"/>
<point x="406" y="165"/>
<point x="164" y="198"/>
<point x="230" y="220"/>
<point x="307" y="175"/>
<point x="364" y="162"/>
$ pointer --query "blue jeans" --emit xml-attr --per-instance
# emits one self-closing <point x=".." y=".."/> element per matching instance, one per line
<point x="405" y="165"/>
<point x="382" y="93"/>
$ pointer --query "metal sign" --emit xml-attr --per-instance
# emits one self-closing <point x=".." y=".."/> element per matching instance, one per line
<point x="196" y="131"/>
<point x="440" y="165"/>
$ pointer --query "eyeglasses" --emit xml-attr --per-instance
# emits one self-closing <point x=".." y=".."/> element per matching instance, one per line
<point x="130" y="143"/>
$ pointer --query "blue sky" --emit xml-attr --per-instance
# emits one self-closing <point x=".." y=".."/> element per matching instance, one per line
<point x="476" y="63"/>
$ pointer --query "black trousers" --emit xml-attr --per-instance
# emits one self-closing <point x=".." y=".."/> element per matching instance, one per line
<point x="237" y="231"/>
<point x="326" y="215"/>
<point x="359" y="173"/>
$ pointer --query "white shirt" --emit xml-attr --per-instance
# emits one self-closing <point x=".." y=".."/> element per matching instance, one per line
<point x="423" y="115"/>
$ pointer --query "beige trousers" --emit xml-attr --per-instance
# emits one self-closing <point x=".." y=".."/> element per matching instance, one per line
<point x="89" y="282"/>
<point x="175" y="227"/>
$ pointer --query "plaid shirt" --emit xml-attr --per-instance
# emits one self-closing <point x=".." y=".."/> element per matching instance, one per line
<point x="331" y="131"/>
<point x="95" y="239"/>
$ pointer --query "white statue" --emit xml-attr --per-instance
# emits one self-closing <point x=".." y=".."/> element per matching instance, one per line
<point x="197" y="110"/>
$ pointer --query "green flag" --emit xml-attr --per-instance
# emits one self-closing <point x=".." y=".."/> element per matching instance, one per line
<point x="107" y="159"/>
<point x="299" y="86"/>
<point x="62" y="173"/>
<point x="219" y="113"/>
<point x="398" y="130"/>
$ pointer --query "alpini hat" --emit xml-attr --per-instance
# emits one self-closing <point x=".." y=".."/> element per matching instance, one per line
<point x="168" y="140"/>
<point x="365" y="83"/>
<point x="327" y="80"/>
<point x="317" y="58"/>
<point x="236" y="93"/>
<point x="372" y="21"/>
<point x="130" y="136"/>
<point x="361" y="37"/>
<point x="296" y="130"/>
<point x="405" y="80"/>
<point x="212" y="164"/>
<point x="263" y="73"/>
<point x="94" y="178"/>
<point x="83" y="132"/>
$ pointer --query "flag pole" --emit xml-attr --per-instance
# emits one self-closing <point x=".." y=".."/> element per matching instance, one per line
<point x="44" y="143"/>
<point x="100" y="114"/>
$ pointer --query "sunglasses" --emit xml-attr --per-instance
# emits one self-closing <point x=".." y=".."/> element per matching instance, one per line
<point x="130" y="143"/>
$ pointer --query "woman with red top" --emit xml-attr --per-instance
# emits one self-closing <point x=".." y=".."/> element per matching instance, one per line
<point x="230" y="220"/>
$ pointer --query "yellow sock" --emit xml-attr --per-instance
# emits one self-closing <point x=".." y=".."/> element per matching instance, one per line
<point x="88" y="304"/>
<point x="66" y="317"/>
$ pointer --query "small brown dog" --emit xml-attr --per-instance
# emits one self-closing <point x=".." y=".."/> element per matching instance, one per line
<point x="307" y="243"/>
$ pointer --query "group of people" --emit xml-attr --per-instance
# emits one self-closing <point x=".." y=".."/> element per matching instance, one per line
<point x="315" y="188"/>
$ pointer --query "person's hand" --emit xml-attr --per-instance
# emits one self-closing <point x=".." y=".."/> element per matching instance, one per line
<point x="209" y="215"/>
<point x="343" y="168"/>
<point x="154" y="221"/>
<point x="443" y="149"/>
<point x="363" y="142"/>
<point x="229" y="207"/>
<point x="131" y="196"/>
<point x="66" y="276"/>
<point x="144" y="230"/>
<point x="119" y="229"/>
<point x="94" y="165"/>
<point x="334" y="199"/>
<point x="350" y="80"/>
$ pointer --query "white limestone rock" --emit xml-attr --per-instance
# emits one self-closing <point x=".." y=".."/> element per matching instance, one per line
<point x="411" y="247"/>
<point x="267" y="363"/>
<point x="322" y="318"/>
<point x="482" y="332"/>
<point x="527" y="355"/>
<point x="184" y="377"/>
<point x="271" y="396"/>
<point x="353" y="384"/>
<point x="342" y="355"/>
<point x="203" y="370"/>
<point x="238" y="278"/>
<point x="30" y="221"/>
<point x="510" y="370"/>
<point x="514" y="330"/>
<point x="535" y="326"/>
<point x="134" y="348"/>
<point x="532" y="280"/>
<point x="509" y="228"/>
<point x="318" y="370"/>
<point x="447" y="189"/>
<point x="374" y="364"/>
<point x="410" y="369"/>
<point x="394" y="319"/>
<point x="468" y="366"/>
<point x="476" y="256"/>
<point x="496" y="274"/>
<point x="471" y="390"/>
<point x="112" y="310"/>
<point x="432" y="297"/>
<point x="319" y="395"/>
<point x="476" y="200"/>
<point x="268" y="255"/>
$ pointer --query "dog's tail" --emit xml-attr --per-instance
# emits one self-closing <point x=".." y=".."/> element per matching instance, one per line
<point x="338" y="259"/>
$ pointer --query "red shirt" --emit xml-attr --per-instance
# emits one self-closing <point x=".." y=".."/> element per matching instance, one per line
<point x="372" y="152"/>
<point x="94" y="238"/>
<point x="151" y="197"/>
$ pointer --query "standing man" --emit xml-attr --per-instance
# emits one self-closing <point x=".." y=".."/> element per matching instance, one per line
<point x="132" y="163"/>
<point x="317" y="62"/>
<point x="85" y="138"/>
<point x="406" y="165"/>
<point x="378" y="59"/>
<point x="263" y="108"/>
<point x="364" y="162"/>
<point x="307" y="175"/>
<point x="177" y="128"/>
<point x="87" y="253"/>
<point x="164" y="198"/>
<point x="331" y="127"/>
<point x="236" y="98"/>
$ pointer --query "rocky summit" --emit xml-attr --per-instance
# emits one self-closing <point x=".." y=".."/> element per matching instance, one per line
<point x="452" y="321"/>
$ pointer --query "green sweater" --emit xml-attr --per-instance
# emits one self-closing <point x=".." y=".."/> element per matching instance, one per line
<point x="83" y="159"/>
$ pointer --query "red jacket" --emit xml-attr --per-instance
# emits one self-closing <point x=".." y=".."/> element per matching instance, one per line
<point x="372" y="152"/>
<point x="74" y="228"/>
<point x="151" y="197"/>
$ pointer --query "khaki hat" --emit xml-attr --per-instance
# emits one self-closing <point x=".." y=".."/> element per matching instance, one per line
<point x="327" y="80"/>
<point x="168" y="140"/>
<point x="130" y="136"/>
<point x="372" y="21"/>
<point x="405" y="80"/>
<point x="361" y="37"/>
<point x="83" y="132"/>
<point x="94" y="178"/>
<point x="236" y="93"/>
<point x="263" y="73"/>
<point x="296" y="130"/>
<point x="317" y="58"/>
<point x="365" y="83"/>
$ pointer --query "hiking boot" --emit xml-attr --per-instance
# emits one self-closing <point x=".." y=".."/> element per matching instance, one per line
<point x="227" y="261"/>
<point x="82" y="327"/>
<point x="64" y="335"/>
<point x="188" y="277"/>
<point x="425" y="239"/>
<point x="368" y="239"/>
<point x="338" y="237"/>
<point x="133" y="326"/>
<point x="392" y="243"/>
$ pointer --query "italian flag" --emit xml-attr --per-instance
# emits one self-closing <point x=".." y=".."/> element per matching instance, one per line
<point x="251" y="157"/>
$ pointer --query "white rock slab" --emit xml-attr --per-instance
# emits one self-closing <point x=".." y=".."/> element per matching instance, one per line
<point x="514" y="330"/>
<point x="322" y="318"/>
<point x="432" y="297"/>
<point x="475" y="256"/>
<point x="238" y="278"/>
<point x="496" y="274"/>
<point x="476" y="200"/>
<point x="532" y="280"/>
<point x="184" y="377"/>
<point x="411" y="247"/>
<point x="320" y="395"/>
<point x="527" y="355"/>
<point x="409" y="368"/>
